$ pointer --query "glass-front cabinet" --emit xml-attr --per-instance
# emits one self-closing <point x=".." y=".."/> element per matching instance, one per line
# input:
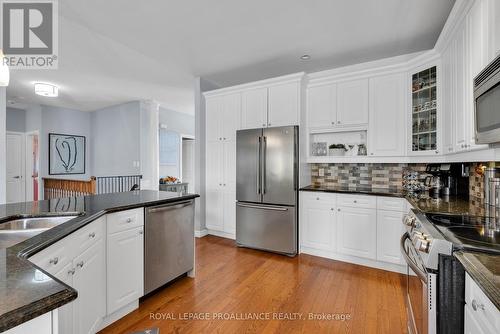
<point x="424" y="111"/>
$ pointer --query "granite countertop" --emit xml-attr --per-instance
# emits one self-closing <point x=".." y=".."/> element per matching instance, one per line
<point x="484" y="268"/>
<point x="21" y="297"/>
<point x="420" y="201"/>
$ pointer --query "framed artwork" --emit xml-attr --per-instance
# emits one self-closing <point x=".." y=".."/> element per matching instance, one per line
<point x="66" y="154"/>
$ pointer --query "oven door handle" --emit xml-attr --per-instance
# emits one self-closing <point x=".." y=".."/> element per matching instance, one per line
<point x="422" y="275"/>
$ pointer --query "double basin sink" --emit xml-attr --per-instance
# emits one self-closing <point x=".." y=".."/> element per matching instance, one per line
<point x="18" y="230"/>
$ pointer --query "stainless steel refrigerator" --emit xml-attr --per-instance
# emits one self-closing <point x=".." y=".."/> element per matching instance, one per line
<point x="267" y="189"/>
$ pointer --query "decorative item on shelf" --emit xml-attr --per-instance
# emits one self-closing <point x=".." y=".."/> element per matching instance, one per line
<point x="337" y="150"/>
<point x="353" y="150"/>
<point x="169" y="180"/>
<point x="362" y="149"/>
<point x="319" y="149"/>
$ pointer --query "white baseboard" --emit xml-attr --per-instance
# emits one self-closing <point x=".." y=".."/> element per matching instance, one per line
<point x="200" y="233"/>
<point x="354" y="259"/>
<point x="222" y="234"/>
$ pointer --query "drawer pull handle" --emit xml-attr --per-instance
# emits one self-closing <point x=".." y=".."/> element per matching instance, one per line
<point x="355" y="201"/>
<point x="129" y="220"/>
<point x="92" y="235"/>
<point x="54" y="261"/>
<point x="476" y="305"/>
<point x="71" y="271"/>
<point x="80" y="264"/>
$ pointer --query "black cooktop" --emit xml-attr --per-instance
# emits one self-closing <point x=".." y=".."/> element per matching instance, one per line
<point x="475" y="232"/>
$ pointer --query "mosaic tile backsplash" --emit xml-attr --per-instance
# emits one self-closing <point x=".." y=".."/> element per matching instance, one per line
<point x="385" y="176"/>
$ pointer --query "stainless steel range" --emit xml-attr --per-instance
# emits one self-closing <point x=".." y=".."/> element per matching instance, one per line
<point x="435" y="280"/>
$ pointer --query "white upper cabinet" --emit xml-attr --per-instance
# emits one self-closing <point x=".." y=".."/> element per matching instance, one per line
<point x="223" y="114"/>
<point x="387" y="125"/>
<point x="322" y="106"/>
<point x="284" y="104"/>
<point x="254" y="108"/>
<point x="352" y="102"/>
<point x="477" y="21"/>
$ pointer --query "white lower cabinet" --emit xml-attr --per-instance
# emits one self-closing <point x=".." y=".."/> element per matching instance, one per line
<point x="318" y="221"/>
<point x="43" y="324"/>
<point x="357" y="232"/>
<point x="389" y="232"/>
<point x="481" y="315"/>
<point x="125" y="268"/>
<point x="361" y="229"/>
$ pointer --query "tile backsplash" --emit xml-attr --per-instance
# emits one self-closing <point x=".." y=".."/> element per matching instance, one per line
<point x="379" y="175"/>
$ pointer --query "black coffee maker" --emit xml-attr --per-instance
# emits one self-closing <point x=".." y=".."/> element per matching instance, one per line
<point x="447" y="179"/>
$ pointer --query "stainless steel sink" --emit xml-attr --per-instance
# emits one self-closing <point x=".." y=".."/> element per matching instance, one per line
<point x="32" y="224"/>
<point x="18" y="230"/>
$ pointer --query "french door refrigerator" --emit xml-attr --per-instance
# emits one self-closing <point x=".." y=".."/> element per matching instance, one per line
<point x="267" y="189"/>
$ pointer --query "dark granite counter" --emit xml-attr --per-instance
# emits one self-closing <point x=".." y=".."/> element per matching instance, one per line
<point x="420" y="201"/>
<point x="23" y="298"/>
<point x="394" y="192"/>
<point x="485" y="271"/>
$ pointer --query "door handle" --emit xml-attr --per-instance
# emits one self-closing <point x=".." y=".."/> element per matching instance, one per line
<point x="17" y="177"/>
<point x="171" y="206"/>
<point x="264" y="167"/>
<point x="259" y="152"/>
<point x="272" y="208"/>
<point x="409" y="261"/>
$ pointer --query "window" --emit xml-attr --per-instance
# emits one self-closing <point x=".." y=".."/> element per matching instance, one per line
<point x="169" y="147"/>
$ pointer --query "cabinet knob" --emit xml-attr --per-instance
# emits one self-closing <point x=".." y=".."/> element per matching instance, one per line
<point x="476" y="305"/>
<point x="338" y="122"/>
<point x="71" y="271"/>
<point x="462" y="146"/>
<point x="317" y="198"/>
<point x="332" y="209"/>
<point x="129" y="220"/>
<point x="54" y="261"/>
<point x="220" y="184"/>
<point x="338" y="209"/>
<point x="355" y="201"/>
<point x="141" y="232"/>
<point x="269" y="124"/>
<point x="92" y="235"/>
<point x="80" y="264"/>
<point x="371" y="153"/>
<point x="224" y="184"/>
<point x="437" y="152"/>
<point x="264" y="124"/>
<point x="333" y="123"/>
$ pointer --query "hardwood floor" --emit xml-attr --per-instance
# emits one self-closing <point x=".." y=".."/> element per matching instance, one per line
<point x="233" y="281"/>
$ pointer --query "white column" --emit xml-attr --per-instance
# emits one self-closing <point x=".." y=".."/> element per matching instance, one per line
<point x="148" y="119"/>
<point x="199" y="156"/>
<point x="3" y="138"/>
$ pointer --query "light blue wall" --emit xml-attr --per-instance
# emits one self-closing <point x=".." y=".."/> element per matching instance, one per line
<point x="16" y="120"/>
<point x="116" y="141"/>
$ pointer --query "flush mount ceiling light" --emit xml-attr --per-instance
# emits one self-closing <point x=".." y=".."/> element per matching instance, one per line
<point x="45" y="89"/>
<point x="4" y="72"/>
<point x="305" y="57"/>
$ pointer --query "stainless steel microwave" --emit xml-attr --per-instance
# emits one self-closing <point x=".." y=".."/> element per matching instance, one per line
<point x="487" y="104"/>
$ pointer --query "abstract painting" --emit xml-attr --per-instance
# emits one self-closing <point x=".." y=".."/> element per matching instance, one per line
<point x="66" y="154"/>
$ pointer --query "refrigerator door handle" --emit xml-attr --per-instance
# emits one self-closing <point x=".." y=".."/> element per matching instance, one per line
<point x="259" y="153"/>
<point x="273" y="208"/>
<point x="264" y="166"/>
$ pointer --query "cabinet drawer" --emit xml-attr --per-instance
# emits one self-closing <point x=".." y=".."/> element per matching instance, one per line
<point x="53" y="258"/>
<point x="391" y="204"/>
<point x="357" y="201"/>
<point x="486" y="312"/>
<point x="90" y="234"/>
<point x="318" y="196"/>
<point x="124" y="220"/>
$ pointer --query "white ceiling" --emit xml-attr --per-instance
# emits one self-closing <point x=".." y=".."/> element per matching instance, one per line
<point x="115" y="51"/>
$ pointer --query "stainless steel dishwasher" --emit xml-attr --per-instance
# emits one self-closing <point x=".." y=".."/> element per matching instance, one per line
<point x="168" y="244"/>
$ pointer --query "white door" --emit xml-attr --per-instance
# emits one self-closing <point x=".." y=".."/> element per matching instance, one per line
<point x="389" y="232"/>
<point x="352" y="102"/>
<point x="188" y="163"/>
<point x="284" y="104"/>
<point x="214" y="209"/>
<point x="231" y="116"/>
<point x="15" y="167"/>
<point x="213" y="110"/>
<point x="322" y="106"/>
<point x="357" y="232"/>
<point x="318" y="221"/>
<point x="386" y="131"/>
<point x="32" y="166"/>
<point x="254" y="108"/>
<point x="125" y="268"/>
<point x="90" y="282"/>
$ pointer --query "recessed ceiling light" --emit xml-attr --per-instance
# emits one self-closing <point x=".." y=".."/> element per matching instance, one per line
<point x="45" y="89"/>
<point x="305" y="57"/>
